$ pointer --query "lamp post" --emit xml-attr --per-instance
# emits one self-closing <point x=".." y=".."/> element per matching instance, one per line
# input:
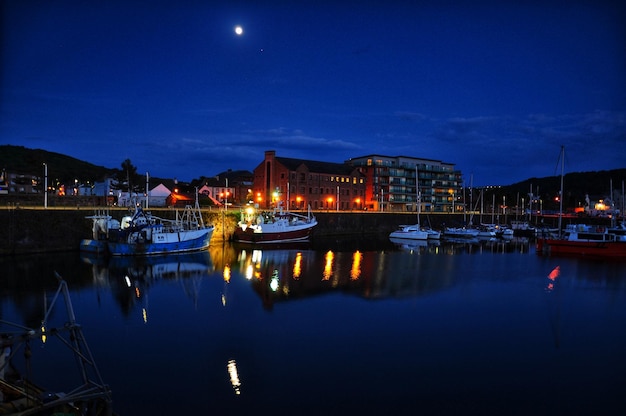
<point x="45" y="185"/>
<point x="147" y="188"/>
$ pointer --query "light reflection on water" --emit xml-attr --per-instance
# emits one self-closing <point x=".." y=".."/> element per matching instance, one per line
<point x="487" y="326"/>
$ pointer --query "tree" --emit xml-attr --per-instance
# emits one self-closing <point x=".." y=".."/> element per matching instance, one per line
<point x="128" y="179"/>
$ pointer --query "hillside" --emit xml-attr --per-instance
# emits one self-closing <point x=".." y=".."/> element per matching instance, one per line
<point x="26" y="161"/>
<point x="575" y="185"/>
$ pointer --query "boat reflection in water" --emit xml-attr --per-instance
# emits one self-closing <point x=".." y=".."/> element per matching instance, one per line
<point x="464" y="245"/>
<point x="290" y="273"/>
<point x="131" y="277"/>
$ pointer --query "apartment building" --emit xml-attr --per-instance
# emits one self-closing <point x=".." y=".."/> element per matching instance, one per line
<point x="393" y="183"/>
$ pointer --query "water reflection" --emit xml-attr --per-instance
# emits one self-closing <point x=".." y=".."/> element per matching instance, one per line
<point x="257" y="313"/>
<point x="130" y="278"/>
<point x="291" y="274"/>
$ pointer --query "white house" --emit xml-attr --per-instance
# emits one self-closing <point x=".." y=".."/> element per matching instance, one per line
<point x="157" y="196"/>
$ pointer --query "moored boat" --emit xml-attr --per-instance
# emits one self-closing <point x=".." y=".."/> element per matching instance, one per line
<point x="432" y="234"/>
<point x="145" y="234"/>
<point x="523" y="229"/>
<point x="619" y="230"/>
<point x="409" y="232"/>
<point x="415" y="232"/>
<point x="583" y="240"/>
<point x="486" y="230"/>
<point x="460" y="232"/>
<point x="504" y="232"/>
<point x="277" y="226"/>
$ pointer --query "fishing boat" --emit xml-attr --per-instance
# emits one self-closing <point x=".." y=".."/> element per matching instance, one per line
<point x="581" y="240"/>
<point x="277" y="226"/>
<point x="145" y="234"/>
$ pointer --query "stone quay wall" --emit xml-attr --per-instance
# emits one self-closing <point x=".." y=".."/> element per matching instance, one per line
<point x="38" y="230"/>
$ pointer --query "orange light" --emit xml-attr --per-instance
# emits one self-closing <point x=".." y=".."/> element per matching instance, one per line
<point x="358" y="200"/>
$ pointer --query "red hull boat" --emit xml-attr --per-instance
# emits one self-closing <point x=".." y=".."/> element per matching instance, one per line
<point x="274" y="227"/>
<point x="584" y="241"/>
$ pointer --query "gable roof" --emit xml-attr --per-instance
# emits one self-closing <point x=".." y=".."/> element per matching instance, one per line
<point x="316" y="166"/>
<point x="160" y="190"/>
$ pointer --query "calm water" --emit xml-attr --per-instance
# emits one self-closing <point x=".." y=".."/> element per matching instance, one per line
<point x="487" y="328"/>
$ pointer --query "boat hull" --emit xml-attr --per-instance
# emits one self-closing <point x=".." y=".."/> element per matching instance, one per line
<point x="595" y="249"/>
<point x="180" y="242"/>
<point x="409" y="236"/>
<point x="284" y="235"/>
<point x="460" y="233"/>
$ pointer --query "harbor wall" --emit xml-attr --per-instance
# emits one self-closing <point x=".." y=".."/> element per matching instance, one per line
<point x="39" y="230"/>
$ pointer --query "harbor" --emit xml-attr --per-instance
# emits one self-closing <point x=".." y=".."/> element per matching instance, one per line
<point x="339" y="326"/>
<point x="35" y="229"/>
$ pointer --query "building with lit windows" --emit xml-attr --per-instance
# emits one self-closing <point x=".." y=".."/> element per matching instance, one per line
<point x="297" y="183"/>
<point x="391" y="183"/>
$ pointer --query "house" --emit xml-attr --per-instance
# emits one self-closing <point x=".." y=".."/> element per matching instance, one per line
<point x="157" y="197"/>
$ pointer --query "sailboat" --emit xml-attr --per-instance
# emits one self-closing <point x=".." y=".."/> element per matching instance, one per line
<point x="581" y="240"/>
<point x="461" y="232"/>
<point x="414" y="232"/>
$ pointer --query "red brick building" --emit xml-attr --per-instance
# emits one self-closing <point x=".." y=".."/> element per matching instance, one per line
<point x="298" y="183"/>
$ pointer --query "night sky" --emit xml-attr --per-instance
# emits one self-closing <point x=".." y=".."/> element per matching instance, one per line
<point x="495" y="87"/>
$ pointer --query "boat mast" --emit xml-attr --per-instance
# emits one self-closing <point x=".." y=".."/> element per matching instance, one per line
<point x="561" y="196"/>
<point x="418" y="196"/>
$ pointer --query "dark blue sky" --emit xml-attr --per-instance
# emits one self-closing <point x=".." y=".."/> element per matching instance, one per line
<point x="494" y="87"/>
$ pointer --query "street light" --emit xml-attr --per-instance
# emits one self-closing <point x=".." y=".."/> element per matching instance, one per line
<point x="45" y="186"/>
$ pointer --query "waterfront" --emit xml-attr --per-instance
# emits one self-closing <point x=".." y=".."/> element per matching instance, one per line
<point x="340" y="327"/>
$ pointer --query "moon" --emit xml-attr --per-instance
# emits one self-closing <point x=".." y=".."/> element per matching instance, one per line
<point x="238" y="30"/>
